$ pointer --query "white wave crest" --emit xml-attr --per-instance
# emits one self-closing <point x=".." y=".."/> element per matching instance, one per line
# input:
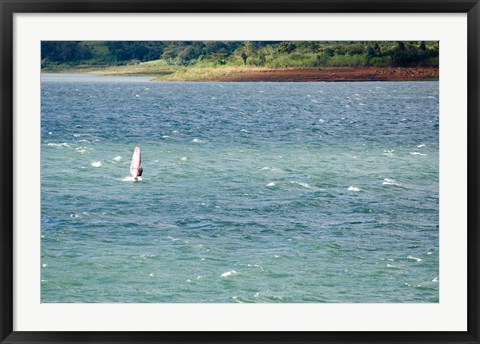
<point x="117" y="158"/>
<point x="418" y="260"/>
<point x="96" y="164"/>
<point x="388" y="181"/>
<point x="256" y="266"/>
<point x="417" y="153"/>
<point x="59" y="145"/>
<point x="82" y="150"/>
<point x="229" y="273"/>
<point x="353" y="188"/>
<point x="305" y="185"/>
<point x="388" y="152"/>
<point x="131" y="179"/>
<point x="273" y="169"/>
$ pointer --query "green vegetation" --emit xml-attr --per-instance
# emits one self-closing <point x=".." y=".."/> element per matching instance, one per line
<point x="166" y="57"/>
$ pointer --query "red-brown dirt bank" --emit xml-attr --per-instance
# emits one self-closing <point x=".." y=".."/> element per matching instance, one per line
<point x="338" y="74"/>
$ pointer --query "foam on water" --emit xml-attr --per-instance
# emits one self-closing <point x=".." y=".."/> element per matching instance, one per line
<point x="83" y="150"/>
<point x="305" y="185"/>
<point x="418" y="260"/>
<point x="272" y="169"/>
<point x="117" y="158"/>
<point x="417" y="153"/>
<point x="388" y="181"/>
<point x="96" y="164"/>
<point x="229" y="273"/>
<point x="388" y="152"/>
<point x="131" y="179"/>
<point x="353" y="188"/>
<point x="64" y="144"/>
<point x="256" y="266"/>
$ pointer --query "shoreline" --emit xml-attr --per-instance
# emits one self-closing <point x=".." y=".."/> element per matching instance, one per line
<point x="338" y="75"/>
<point x="242" y="74"/>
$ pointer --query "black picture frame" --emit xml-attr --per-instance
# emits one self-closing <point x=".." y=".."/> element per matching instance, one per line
<point x="10" y="7"/>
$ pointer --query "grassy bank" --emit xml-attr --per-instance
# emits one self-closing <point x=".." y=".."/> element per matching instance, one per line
<point x="210" y="74"/>
<point x="161" y="71"/>
<point x="152" y="68"/>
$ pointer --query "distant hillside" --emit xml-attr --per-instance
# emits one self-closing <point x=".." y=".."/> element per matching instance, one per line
<point x="270" y="54"/>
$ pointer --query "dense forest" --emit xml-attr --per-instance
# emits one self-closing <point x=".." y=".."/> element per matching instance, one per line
<point x="272" y="54"/>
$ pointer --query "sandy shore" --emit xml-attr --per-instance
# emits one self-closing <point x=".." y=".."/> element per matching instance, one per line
<point x="337" y="74"/>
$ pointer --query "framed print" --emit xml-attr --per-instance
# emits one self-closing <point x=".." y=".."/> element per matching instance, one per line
<point x="239" y="171"/>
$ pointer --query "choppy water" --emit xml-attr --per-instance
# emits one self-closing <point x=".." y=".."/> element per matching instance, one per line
<point x="252" y="192"/>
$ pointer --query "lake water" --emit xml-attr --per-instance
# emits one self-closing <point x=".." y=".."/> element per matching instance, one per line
<point x="251" y="192"/>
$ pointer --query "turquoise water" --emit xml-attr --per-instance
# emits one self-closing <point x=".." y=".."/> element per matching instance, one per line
<point x="251" y="192"/>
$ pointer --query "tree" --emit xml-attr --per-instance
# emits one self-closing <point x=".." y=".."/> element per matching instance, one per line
<point x="286" y="47"/>
<point x="169" y="55"/>
<point x="251" y="48"/>
<point x="271" y="53"/>
<point x="244" y="58"/>
<point x="186" y="55"/>
<point x="329" y="52"/>
<point x="307" y="46"/>
<point x="372" y="50"/>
